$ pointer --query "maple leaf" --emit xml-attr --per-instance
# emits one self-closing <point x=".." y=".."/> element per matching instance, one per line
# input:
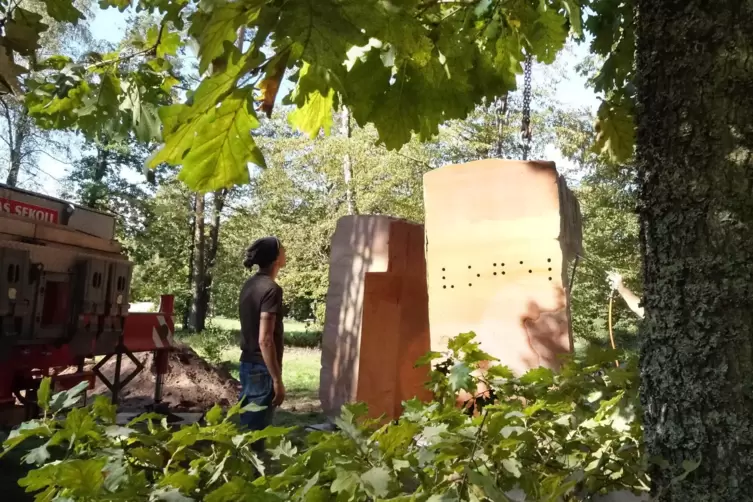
<point x="178" y="141"/>
<point x="63" y="11"/>
<point x="38" y="455"/>
<point x="271" y="83"/>
<point x="574" y="13"/>
<point x="84" y="478"/>
<point x="377" y="480"/>
<point x="396" y="117"/>
<point x="320" y="31"/>
<point x="366" y="82"/>
<point x="169" y="41"/>
<point x="315" y="114"/>
<point x="214" y="416"/>
<point x="43" y="393"/>
<point x="549" y="36"/>
<point x="224" y="146"/>
<point x="121" y="5"/>
<point x="460" y="377"/>
<point x="180" y="480"/>
<point x="219" y="26"/>
<point x="615" y="128"/>
<point x="22" y="31"/>
<point x="346" y="481"/>
<point x="314" y="96"/>
<point x="183" y="123"/>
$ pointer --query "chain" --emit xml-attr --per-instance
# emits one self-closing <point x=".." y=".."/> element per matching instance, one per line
<point x="525" y="129"/>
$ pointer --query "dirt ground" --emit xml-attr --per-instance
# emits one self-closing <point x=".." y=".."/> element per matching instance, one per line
<point x="191" y="384"/>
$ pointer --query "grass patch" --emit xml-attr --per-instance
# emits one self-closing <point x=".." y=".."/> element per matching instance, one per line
<point x="297" y="334"/>
<point x="300" y="366"/>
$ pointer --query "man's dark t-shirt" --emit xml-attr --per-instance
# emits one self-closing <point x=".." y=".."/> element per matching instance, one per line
<point x="259" y="294"/>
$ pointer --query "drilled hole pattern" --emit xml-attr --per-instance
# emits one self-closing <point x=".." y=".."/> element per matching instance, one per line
<point x="494" y="273"/>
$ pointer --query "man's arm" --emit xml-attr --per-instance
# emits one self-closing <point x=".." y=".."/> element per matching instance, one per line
<point x="267" y="345"/>
<point x="633" y="302"/>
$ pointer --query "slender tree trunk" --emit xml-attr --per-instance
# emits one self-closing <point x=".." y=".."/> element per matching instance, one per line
<point x="198" y="316"/>
<point x="500" y="114"/>
<point x="695" y="171"/>
<point x="191" y="264"/>
<point x="205" y="293"/>
<point x="18" y="131"/>
<point x="94" y="197"/>
<point x="347" y="132"/>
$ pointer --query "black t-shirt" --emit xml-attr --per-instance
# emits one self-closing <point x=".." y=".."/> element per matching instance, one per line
<point x="259" y="294"/>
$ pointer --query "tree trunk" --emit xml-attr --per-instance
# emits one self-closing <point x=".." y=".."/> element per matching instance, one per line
<point x="694" y="150"/>
<point x="191" y="264"/>
<point x="203" y="260"/>
<point x="18" y="131"/>
<point x="198" y="314"/>
<point x="347" y="132"/>
<point x="95" y="196"/>
<point x="500" y="121"/>
<point x="205" y="293"/>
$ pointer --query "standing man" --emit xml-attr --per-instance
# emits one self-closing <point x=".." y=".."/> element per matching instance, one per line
<point x="262" y="333"/>
<point x="633" y="302"/>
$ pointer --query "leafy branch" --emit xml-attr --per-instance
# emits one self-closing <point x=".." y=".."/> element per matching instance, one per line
<point x="539" y="431"/>
<point x="144" y="52"/>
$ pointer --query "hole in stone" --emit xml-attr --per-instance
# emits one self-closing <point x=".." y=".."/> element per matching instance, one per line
<point x="549" y="260"/>
<point x="443" y="277"/>
<point x="530" y="271"/>
<point x="521" y="262"/>
<point x="469" y="284"/>
<point x="550" y="269"/>
<point x="495" y="264"/>
<point x="469" y="267"/>
<point x="503" y="273"/>
<point x="550" y="278"/>
<point x="478" y="275"/>
<point x="452" y="287"/>
<point x="445" y="287"/>
<point x="495" y="273"/>
<point x="443" y="269"/>
<point x="503" y="264"/>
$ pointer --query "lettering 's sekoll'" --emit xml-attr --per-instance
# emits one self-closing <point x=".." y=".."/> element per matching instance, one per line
<point x="28" y="211"/>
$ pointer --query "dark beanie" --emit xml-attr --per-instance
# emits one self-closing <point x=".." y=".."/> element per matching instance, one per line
<point x="262" y="252"/>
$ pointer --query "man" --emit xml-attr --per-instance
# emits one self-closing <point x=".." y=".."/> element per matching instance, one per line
<point x="261" y="316"/>
<point x="633" y="302"/>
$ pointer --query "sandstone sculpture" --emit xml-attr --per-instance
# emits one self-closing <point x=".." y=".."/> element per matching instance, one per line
<point x="500" y="236"/>
<point x="376" y="322"/>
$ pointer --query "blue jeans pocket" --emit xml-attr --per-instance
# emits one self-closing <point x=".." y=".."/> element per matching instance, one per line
<point x="257" y="388"/>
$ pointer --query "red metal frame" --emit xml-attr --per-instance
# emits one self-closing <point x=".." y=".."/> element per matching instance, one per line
<point x="142" y="332"/>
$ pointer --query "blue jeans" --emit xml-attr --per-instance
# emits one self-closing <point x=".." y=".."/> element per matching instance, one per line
<point x="257" y="388"/>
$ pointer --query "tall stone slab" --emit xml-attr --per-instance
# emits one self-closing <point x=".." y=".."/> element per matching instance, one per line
<point x="500" y="236"/>
<point x="376" y="320"/>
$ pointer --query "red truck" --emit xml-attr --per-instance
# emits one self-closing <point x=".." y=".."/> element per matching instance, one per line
<point x="64" y="297"/>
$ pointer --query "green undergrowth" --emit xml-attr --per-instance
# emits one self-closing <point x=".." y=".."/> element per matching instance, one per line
<point x="555" y="436"/>
<point x="223" y="335"/>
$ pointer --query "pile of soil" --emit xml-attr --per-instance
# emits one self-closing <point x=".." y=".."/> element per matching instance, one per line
<point x="190" y="385"/>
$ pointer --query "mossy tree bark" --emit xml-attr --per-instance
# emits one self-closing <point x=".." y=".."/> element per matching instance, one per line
<point x="695" y="170"/>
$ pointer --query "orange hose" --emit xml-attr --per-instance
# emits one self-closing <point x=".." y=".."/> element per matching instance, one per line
<point x="611" y="332"/>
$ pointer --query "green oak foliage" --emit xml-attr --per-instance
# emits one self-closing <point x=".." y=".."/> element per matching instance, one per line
<point x="404" y="66"/>
<point x="555" y="436"/>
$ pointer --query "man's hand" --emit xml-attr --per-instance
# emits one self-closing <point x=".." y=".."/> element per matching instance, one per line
<point x="279" y="389"/>
<point x="615" y="280"/>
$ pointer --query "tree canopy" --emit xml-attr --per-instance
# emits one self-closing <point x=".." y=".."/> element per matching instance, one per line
<point x="406" y="67"/>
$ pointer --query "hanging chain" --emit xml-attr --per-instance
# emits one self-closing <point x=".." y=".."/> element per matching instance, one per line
<point x="525" y="129"/>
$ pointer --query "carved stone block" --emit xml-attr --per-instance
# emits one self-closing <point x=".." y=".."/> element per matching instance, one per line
<point x="500" y="236"/>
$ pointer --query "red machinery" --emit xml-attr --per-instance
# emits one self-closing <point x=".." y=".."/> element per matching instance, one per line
<point x="64" y="297"/>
